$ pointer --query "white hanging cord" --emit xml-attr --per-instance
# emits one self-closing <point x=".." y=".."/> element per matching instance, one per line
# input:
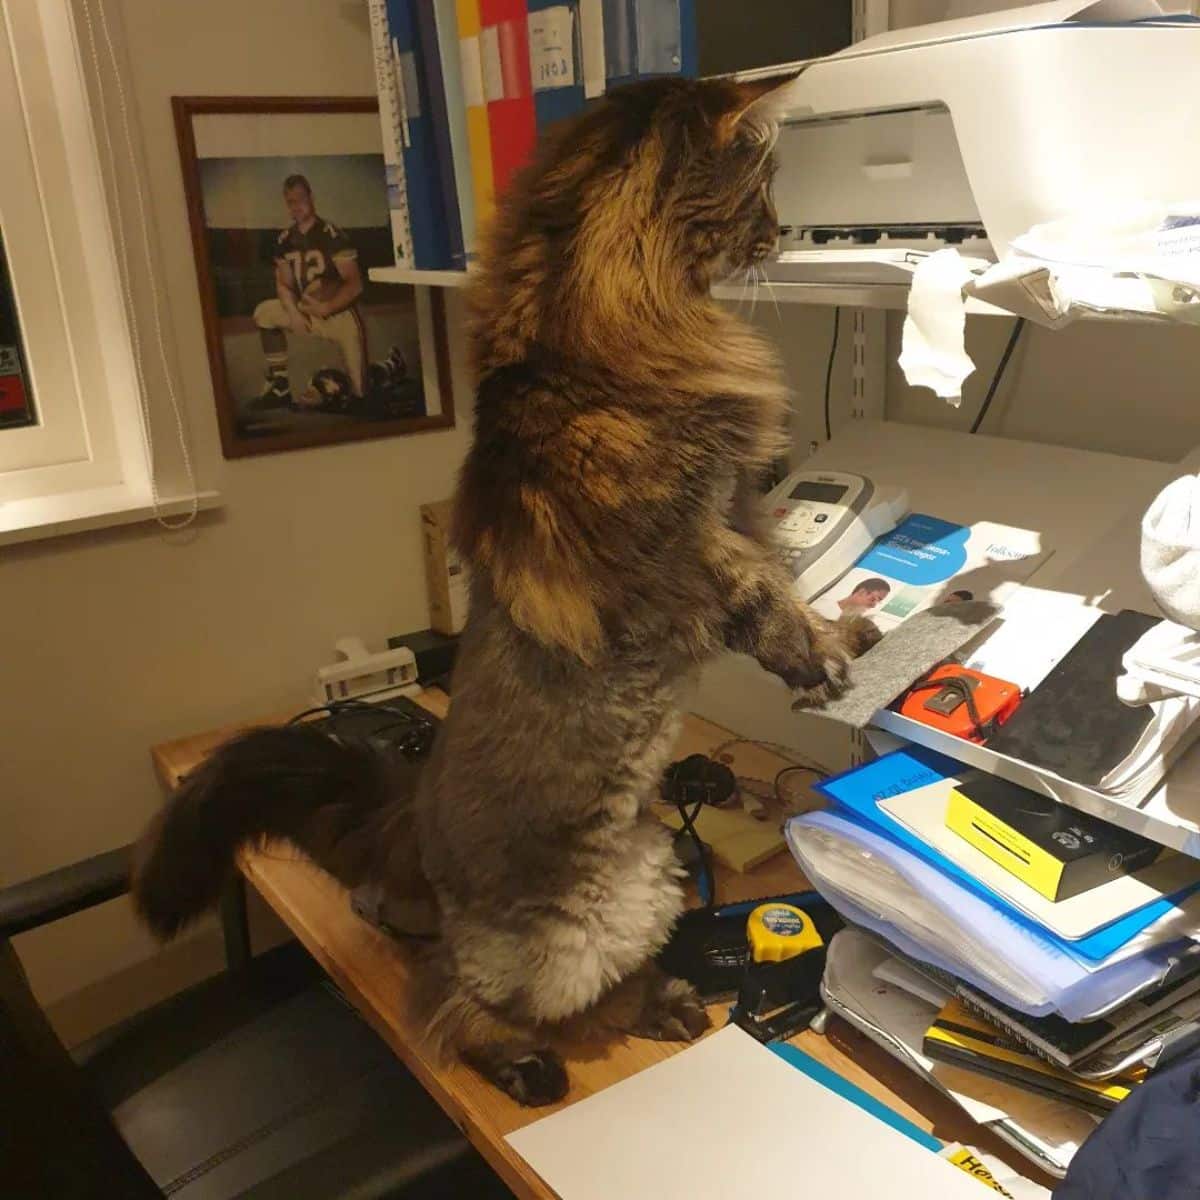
<point x="126" y="274"/>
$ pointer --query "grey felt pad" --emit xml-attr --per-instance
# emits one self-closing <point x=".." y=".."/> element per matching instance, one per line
<point x="904" y="655"/>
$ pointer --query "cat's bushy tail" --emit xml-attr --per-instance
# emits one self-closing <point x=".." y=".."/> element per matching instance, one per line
<point x="292" y="782"/>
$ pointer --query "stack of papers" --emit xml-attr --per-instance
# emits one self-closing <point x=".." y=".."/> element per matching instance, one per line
<point x="1097" y="985"/>
<point x="894" y="1006"/>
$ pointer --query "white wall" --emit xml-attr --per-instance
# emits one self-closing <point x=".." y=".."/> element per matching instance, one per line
<point x="112" y="642"/>
<point x="1126" y="389"/>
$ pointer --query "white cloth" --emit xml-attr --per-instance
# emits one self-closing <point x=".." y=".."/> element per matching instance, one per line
<point x="1171" y="550"/>
<point x="1163" y="662"/>
<point x="933" y="347"/>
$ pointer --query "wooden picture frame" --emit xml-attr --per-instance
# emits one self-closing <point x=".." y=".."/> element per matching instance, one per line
<point x="378" y="366"/>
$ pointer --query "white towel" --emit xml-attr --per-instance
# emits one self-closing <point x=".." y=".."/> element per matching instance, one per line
<point x="1171" y="550"/>
<point x="1165" y="662"/>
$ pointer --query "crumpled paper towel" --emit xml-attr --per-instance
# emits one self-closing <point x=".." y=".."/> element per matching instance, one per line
<point x="933" y="352"/>
<point x="1171" y="550"/>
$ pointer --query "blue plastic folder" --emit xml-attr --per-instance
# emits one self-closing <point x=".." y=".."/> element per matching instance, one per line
<point x="858" y="792"/>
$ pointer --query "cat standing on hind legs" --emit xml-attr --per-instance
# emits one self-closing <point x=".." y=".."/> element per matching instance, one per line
<point x="617" y="407"/>
<point x="607" y="509"/>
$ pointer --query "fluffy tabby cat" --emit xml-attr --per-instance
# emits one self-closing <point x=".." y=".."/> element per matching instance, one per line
<point x="607" y="508"/>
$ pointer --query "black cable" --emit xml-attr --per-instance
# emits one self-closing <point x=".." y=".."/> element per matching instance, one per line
<point x="336" y="706"/>
<point x="837" y="325"/>
<point x="689" y="784"/>
<point x="1014" y="337"/>
<point x="387" y="715"/>
<point x="706" y="883"/>
<point x="783" y="771"/>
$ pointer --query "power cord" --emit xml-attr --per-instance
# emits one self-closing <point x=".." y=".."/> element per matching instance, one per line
<point x="385" y="717"/>
<point x="1013" y="339"/>
<point x="701" y="779"/>
<point x="770" y="789"/>
<point x="837" y="327"/>
<point x="689" y="785"/>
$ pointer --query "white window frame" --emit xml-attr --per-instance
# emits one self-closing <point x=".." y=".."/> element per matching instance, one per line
<point x="85" y="463"/>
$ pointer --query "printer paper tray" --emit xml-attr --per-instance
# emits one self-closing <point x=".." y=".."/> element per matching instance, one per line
<point x="873" y="265"/>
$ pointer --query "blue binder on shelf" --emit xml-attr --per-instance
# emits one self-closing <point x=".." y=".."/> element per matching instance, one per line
<point x="426" y="205"/>
<point x="857" y="793"/>
<point x="555" y="60"/>
<point x="647" y="38"/>
<point x="430" y="54"/>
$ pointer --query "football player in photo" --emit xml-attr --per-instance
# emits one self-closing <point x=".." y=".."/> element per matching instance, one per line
<point x="317" y="285"/>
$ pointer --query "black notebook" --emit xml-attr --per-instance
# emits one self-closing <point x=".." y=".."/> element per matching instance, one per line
<point x="1072" y="723"/>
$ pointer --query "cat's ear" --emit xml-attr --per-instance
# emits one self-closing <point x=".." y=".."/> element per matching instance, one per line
<point x="758" y="100"/>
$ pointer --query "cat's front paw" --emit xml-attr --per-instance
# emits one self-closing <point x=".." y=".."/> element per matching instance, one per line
<point x="835" y="672"/>
<point x="533" y="1079"/>
<point x="673" y="1013"/>
<point x="858" y="634"/>
<point x="824" y="672"/>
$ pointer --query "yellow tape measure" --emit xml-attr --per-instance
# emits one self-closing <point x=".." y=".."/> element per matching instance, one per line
<point x="777" y="932"/>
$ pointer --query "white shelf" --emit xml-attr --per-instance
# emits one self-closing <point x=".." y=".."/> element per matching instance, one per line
<point x="419" y="278"/>
<point x="893" y="296"/>
<point x="888" y="296"/>
<point x="856" y="295"/>
<point x="99" y="508"/>
<point x="1168" y="815"/>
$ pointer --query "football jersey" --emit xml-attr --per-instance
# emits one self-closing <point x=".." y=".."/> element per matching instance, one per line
<point x="309" y="257"/>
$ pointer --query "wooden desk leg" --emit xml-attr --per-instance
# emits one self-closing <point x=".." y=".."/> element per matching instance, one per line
<point x="235" y="923"/>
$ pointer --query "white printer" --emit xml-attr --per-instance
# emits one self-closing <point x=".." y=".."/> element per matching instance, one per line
<point x="970" y="132"/>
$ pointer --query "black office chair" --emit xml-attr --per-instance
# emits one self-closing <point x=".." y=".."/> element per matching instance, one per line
<point x="261" y="1083"/>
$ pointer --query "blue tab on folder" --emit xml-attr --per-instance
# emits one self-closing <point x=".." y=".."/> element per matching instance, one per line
<point x="858" y="792"/>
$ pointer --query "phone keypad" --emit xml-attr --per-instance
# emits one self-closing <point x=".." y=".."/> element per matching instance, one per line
<point x="801" y="528"/>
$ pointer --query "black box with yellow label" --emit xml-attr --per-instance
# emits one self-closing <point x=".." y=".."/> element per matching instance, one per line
<point x="1058" y="851"/>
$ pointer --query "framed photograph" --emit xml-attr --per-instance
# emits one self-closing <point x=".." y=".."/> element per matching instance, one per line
<point x="287" y="201"/>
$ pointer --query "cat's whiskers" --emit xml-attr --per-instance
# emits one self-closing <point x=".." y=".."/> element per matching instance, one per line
<point x="762" y="271"/>
<point x="745" y="288"/>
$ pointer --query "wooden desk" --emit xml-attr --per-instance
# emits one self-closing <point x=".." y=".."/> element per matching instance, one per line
<point x="375" y="973"/>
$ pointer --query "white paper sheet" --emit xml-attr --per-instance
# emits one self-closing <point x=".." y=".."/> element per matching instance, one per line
<point x="900" y="975"/>
<point x="724" y="1120"/>
<point x="1035" y="631"/>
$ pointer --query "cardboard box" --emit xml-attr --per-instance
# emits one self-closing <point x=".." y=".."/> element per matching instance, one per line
<point x="445" y="571"/>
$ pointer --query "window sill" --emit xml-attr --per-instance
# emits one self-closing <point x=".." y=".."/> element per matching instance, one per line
<point x="76" y="512"/>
